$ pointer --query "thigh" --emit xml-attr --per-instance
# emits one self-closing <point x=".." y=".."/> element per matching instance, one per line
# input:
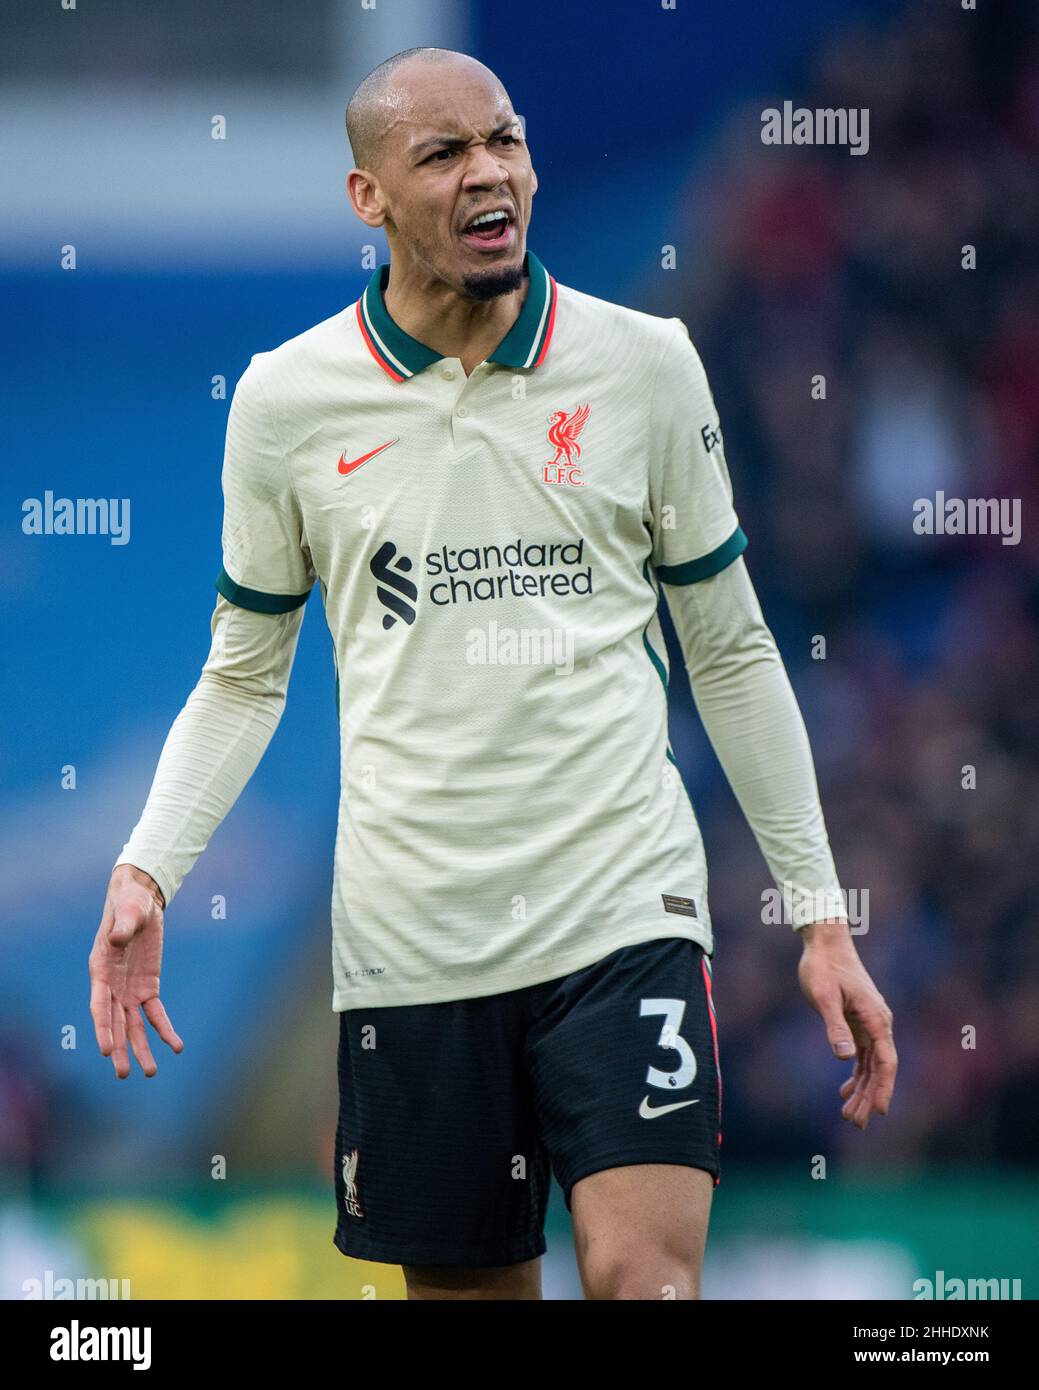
<point x="624" y="1064"/>
<point x="437" y="1160"/>
<point x="640" y="1231"/>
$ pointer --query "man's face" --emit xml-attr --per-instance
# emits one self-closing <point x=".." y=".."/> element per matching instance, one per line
<point x="453" y="150"/>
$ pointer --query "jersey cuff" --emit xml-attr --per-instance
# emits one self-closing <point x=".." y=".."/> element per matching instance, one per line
<point x="706" y="565"/>
<point x="256" y="599"/>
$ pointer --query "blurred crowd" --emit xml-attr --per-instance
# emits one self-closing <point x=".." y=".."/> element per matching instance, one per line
<point x="812" y="262"/>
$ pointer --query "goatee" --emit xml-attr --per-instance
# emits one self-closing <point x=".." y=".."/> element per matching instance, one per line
<point x="492" y="283"/>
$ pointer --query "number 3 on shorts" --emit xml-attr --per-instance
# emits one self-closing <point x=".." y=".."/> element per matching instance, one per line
<point x="673" y="1011"/>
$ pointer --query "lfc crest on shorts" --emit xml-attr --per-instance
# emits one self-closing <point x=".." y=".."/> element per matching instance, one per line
<point x="350" y="1183"/>
<point x="564" y="430"/>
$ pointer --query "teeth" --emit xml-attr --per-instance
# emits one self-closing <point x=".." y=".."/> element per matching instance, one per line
<point x="488" y="217"/>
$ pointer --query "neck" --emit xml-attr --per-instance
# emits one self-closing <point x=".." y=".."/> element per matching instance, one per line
<point x="445" y="320"/>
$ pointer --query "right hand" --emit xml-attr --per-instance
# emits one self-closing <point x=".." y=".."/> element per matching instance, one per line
<point x="125" y="964"/>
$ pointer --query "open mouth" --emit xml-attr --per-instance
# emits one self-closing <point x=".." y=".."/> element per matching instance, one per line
<point x="489" y="231"/>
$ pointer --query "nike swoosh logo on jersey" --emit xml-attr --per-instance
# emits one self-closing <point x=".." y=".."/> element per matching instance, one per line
<point x="650" y="1112"/>
<point x="345" y="467"/>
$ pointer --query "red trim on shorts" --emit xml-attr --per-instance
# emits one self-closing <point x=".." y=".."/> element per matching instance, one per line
<point x="714" y="1035"/>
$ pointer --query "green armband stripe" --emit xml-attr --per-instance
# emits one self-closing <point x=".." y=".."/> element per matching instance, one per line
<point x="255" y="599"/>
<point x="707" y="565"/>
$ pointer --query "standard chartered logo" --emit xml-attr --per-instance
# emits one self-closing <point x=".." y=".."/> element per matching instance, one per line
<point x="476" y="574"/>
<point x="519" y="569"/>
<point x="393" y="589"/>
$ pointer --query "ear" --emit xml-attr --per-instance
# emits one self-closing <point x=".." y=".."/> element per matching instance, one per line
<point x="365" y="197"/>
<point x="533" y="181"/>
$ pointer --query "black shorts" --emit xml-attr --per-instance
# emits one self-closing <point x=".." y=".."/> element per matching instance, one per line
<point x="451" y="1115"/>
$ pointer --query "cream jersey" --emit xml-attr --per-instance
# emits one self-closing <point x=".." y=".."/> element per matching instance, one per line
<point x="489" y="551"/>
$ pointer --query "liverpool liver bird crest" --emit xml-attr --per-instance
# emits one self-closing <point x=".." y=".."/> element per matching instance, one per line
<point x="563" y="433"/>
<point x="350" y="1199"/>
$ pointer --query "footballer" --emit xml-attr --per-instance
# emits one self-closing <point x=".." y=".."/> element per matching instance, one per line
<point x="490" y="478"/>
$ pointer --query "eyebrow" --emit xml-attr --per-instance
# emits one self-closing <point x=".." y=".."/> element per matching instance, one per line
<point x="458" y="142"/>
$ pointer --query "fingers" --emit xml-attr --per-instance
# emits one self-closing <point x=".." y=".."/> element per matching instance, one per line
<point x="838" y="1034"/>
<point x="157" y="1017"/>
<point x="855" y="1092"/>
<point x="127" y="920"/>
<point x="100" y="991"/>
<point x="120" y="1056"/>
<point x="885" y="1065"/>
<point x="858" y="1024"/>
<point x="856" y="1107"/>
<point x="874" y="1076"/>
<point x="852" y="1083"/>
<point x="115" y="1024"/>
<point x="139" y="1042"/>
<point x="101" y="1013"/>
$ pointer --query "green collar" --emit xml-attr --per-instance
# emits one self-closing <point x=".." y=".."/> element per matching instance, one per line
<point x="401" y="355"/>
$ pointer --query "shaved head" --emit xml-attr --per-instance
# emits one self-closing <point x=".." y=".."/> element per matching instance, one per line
<point x="378" y="99"/>
<point x="442" y="165"/>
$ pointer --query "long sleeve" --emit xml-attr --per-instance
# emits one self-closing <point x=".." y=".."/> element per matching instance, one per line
<point x="216" y="742"/>
<point x="749" y="710"/>
<point x="223" y="730"/>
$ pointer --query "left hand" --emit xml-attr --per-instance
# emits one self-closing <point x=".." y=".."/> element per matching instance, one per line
<point x="858" y="1021"/>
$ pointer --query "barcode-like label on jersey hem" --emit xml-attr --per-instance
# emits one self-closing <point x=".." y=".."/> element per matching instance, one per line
<point x="685" y="907"/>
